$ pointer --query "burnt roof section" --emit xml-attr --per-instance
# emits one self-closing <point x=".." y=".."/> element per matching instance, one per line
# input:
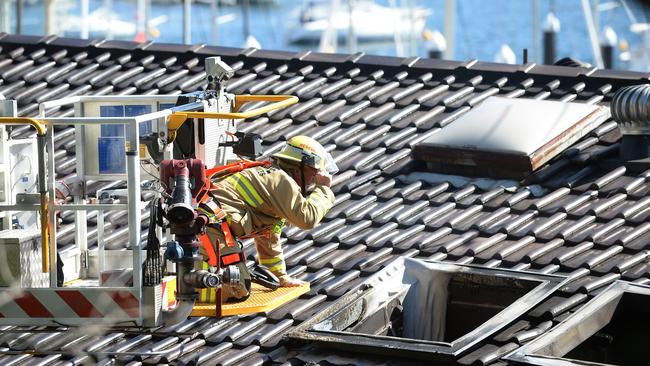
<point x="590" y="222"/>
<point x="617" y="316"/>
<point x="400" y="311"/>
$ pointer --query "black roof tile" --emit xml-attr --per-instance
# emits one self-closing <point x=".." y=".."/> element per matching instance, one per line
<point x="637" y="271"/>
<point x="527" y="335"/>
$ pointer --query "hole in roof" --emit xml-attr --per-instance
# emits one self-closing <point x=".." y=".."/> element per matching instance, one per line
<point x="622" y="341"/>
<point x="508" y="137"/>
<point x="457" y="302"/>
<point x="612" y="329"/>
<point x="426" y="309"/>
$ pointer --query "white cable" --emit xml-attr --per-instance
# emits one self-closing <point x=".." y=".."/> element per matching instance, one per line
<point x="21" y="158"/>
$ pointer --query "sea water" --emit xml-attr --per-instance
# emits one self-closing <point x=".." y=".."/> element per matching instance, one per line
<point x="481" y="26"/>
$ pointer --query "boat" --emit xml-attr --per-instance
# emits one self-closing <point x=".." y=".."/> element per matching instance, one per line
<point x="100" y="21"/>
<point x="371" y="22"/>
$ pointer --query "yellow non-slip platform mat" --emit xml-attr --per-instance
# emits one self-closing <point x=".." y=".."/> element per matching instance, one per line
<point x="261" y="299"/>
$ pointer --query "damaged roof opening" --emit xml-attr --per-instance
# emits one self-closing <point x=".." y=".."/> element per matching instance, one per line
<point x="425" y="309"/>
<point x="612" y="329"/>
<point x="508" y="138"/>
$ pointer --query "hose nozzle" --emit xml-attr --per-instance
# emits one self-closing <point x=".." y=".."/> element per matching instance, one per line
<point x="202" y="279"/>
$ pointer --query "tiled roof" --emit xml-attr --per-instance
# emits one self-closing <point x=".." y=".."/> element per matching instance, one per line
<point x="591" y="224"/>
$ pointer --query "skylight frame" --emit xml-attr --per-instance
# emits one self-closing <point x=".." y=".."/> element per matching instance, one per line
<point x="493" y="138"/>
<point x="418" y="348"/>
<point x="576" y="329"/>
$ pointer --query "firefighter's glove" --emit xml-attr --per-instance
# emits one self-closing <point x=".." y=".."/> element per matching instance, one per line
<point x="288" y="281"/>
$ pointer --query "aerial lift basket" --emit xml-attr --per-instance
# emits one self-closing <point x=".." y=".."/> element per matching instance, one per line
<point x="115" y="304"/>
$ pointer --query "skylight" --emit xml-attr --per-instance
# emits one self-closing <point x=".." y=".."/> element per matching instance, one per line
<point x="426" y="309"/>
<point x="612" y="329"/>
<point x="506" y="137"/>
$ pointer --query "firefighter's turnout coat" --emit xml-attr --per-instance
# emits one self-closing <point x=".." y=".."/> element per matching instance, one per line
<point x="259" y="201"/>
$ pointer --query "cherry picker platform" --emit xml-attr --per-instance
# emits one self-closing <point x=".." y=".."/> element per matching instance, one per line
<point x="127" y="139"/>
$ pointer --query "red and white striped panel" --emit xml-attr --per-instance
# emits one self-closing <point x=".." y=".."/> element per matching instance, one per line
<point x="124" y="278"/>
<point x="117" y="278"/>
<point x="109" y="305"/>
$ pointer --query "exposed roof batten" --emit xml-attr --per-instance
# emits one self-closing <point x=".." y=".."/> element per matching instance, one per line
<point x="506" y="137"/>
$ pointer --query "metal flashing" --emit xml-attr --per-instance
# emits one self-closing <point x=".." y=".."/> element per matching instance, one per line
<point x="357" y="321"/>
<point x="118" y="44"/>
<point x="558" y="71"/>
<point x="219" y="50"/>
<point x="410" y="61"/>
<point x="21" y="39"/>
<point x="167" y="47"/>
<point x="273" y="55"/>
<point x="436" y="64"/>
<point x="353" y="58"/>
<point x="248" y="51"/>
<point x="493" y="67"/>
<point x="47" y="39"/>
<point x="328" y="58"/>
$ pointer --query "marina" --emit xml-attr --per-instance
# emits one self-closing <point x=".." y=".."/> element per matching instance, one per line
<point x="480" y="29"/>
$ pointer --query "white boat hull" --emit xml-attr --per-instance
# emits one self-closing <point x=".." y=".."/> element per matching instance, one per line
<point x="312" y="32"/>
<point x="370" y="22"/>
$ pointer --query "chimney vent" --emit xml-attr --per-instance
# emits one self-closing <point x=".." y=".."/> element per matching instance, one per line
<point x="630" y="108"/>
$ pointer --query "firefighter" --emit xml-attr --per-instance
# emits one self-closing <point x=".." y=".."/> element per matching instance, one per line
<point x="259" y="201"/>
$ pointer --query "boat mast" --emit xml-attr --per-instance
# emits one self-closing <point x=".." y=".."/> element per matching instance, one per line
<point x="399" y="46"/>
<point x="596" y="13"/>
<point x="329" y="38"/>
<point x="19" y="16"/>
<point x="535" y="40"/>
<point x="412" y="41"/>
<point x="85" y="9"/>
<point x="593" y="36"/>
<point x="352" y="39"/>
<point x="108" y="5"/>
<point x="4" y="16"/>
<point x="141" y="26"/>
<point x="450" y="17"/>
<point x="49" y="17"/>
<point x="187" y="21"/>
<point x="214" y="29"/>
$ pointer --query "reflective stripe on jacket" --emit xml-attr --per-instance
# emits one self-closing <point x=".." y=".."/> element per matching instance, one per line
<point x="259" y="200"/>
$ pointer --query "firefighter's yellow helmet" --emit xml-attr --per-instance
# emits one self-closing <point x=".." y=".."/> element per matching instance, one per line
<point x="305" y="150"/>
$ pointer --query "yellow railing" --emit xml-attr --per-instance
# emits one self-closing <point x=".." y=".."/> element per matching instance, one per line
<point x="40" y="127"/>
<point x="177" y="119"/>
<point x="40" y="130"/>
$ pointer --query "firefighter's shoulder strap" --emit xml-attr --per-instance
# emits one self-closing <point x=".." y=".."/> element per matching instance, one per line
<point x="223" y="171"/>
<point x="229" y="169"/>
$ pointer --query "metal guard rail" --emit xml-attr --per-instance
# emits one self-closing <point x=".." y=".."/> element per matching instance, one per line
<point x="42" y="189"/>
<point x="177" y="119"/>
